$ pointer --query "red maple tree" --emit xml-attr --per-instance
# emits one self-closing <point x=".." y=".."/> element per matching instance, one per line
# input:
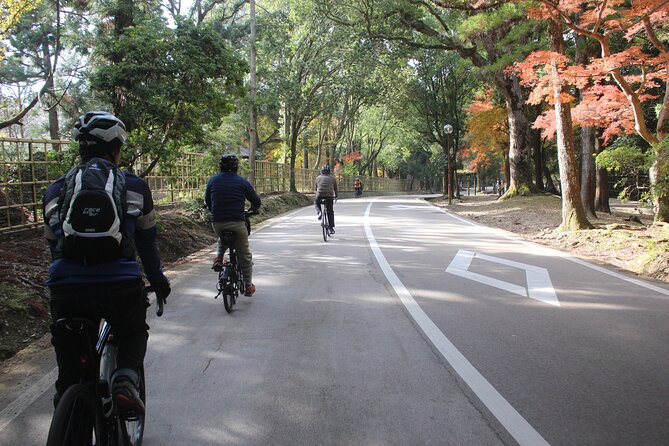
<point x="615" y="85"/>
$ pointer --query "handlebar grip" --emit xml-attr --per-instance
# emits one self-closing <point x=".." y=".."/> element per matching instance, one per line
<point x="161" y="302"/>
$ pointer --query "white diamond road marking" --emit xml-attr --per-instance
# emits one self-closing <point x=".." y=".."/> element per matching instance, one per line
<point x="539" y="286"/>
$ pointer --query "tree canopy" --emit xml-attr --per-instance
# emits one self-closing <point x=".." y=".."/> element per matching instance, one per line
<point x="366" y="86"/>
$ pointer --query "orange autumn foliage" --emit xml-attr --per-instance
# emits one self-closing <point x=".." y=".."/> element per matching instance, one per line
<point x="352" y="156"/>
<point x="488" y="133"/>
<point x="610" y="84"/>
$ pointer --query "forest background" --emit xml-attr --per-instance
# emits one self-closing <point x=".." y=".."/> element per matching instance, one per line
<point x="547" y="95"/>
<point x="563" y="101"/>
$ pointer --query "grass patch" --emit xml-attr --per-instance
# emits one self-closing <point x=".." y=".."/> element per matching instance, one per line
<point x="13" y="299"/>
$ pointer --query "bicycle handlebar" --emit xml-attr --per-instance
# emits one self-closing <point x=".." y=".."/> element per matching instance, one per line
<point x="161" y="302"/>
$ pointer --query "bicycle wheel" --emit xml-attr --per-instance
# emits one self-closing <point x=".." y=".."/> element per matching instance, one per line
<point x="325" y="226"/>
<point x="78" y="419"/>
<point x="132" y="429"/>
<point x="228" y="289"/>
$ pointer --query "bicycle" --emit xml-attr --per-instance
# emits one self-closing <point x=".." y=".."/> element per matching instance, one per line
<point x="230" y="277"/>
<point x="325" y="223"/>
<point x="86" y="414"/>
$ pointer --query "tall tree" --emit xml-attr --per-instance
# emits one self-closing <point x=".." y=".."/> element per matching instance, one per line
<point x="573" y="213"/>
<point x="488" y="33"/>
<point x="637" y="69"/>
<point x="35" y="43"/>
<point x="443" y="86"/>
<point x="167" y="84"/>
<point x="304" y="54"/>
<point x="11" y="12"/>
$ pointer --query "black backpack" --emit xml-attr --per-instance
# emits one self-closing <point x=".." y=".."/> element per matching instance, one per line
<point x="91" y="208"/>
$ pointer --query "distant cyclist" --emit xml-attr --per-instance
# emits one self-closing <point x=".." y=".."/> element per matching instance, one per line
<point x="326" y="192"/>
<point x="96" y="219"/>
<point x="357" y="187"/>
<point x="225" y="196"/>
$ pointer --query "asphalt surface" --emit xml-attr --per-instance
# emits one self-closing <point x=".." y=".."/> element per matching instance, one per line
<point x="410" y="326"/>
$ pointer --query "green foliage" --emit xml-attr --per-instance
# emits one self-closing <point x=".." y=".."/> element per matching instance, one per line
<point x="11" y="12"/>
<point x="196" y="210"/>
<point x="627" y="161"/>
<point x="623" y="160"/>
<point x="14" y="299"/>
<point x="168" y="84"/>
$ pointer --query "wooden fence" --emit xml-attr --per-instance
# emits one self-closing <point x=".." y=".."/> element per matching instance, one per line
<point x="28" y="166"/>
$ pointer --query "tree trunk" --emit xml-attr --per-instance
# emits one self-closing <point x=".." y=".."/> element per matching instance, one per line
<point x="588" y="173"/>
<point x="550" y="185"/>
<point x="294" y="127"/>
<point x="588" y="136"/>
<point x="50" y="90"/>
<point x="305" y="151"/>
<point x="520" y="161"/>
<point x="122" y="18"/>
<point x="253" y="115"/>
<point x="535" y="142"/>
<point x="507" y="171"/>
<point x="602" y="194"/>
<point x="659" y="179"/>
<point x="573" y="214"/>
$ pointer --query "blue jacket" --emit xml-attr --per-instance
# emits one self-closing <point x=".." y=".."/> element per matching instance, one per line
<point x="226" y="195"/>
<point x="140" y="220"/>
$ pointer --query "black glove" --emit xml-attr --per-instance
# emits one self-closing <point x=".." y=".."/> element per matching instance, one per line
<point x="162" y="289"/>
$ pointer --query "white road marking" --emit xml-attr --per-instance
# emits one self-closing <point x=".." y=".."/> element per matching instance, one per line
<point x="512" y="421"/>
<point x="539" y="285"/>
<point x="554" y="252"/>
<point x="16" y="407"/>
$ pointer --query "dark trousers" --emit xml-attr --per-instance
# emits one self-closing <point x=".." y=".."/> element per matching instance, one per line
<point x="122" y="304"/>
<point x="329" y="202"/>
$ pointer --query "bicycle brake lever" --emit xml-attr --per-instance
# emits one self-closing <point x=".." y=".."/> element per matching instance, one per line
<point x="160" y="301"/>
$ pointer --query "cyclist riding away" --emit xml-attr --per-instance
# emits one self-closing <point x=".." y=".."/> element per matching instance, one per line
<point x="326" y="192"/>
<point x="225" y="196"/>
<point x="97" y="218"/>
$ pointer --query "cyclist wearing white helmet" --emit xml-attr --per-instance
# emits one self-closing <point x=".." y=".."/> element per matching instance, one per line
<point x="96" y="219"/>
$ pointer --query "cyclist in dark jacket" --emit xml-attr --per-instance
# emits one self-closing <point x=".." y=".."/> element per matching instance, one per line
<point x="225" y="196"/>
<point x="113" y="290"/>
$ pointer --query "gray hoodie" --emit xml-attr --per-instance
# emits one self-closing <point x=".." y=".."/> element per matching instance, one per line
<point x="326" y="186"/>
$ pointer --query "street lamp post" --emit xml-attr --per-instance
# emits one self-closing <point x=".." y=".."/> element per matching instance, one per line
<point x="448" y="129"/>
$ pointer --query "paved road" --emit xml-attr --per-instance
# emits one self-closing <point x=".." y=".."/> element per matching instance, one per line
<point x="411" y="326"/>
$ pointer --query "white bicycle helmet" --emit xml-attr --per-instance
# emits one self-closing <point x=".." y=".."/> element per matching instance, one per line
<point x="99" y="127"/>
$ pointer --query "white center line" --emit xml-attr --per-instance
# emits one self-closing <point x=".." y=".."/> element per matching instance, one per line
<point x="509" y="417"/>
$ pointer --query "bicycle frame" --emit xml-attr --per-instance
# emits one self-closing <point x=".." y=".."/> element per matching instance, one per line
<point x="97" y="364"/>
<point x="325" y="223"/>
<point x="230" y="277"/>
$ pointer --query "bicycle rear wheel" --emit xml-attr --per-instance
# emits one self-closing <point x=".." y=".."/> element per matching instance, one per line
<point x="78" y="419"/>
<point x="325" y="225"/>
<point x="229" y="289"/>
